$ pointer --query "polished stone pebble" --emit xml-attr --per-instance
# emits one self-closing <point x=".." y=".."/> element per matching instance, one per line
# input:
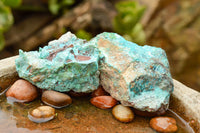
<point x="99" y="92"/>
<point x="56" y="99"/>
<point x="22" y="91"/>
<point x="163" y="124"/>
<point x="103" y="102"/>
<point x="123" y="113"/>
<point x="42" y="114"/>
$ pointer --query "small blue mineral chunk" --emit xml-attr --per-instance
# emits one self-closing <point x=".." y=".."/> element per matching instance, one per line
<point x="137" y="76"/>
<point x="65" y="64"/>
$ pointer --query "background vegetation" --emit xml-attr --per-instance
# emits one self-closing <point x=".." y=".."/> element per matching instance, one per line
<point x="173" y="25"/>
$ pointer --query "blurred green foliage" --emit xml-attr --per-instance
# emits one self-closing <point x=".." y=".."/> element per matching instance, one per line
<point x="1" y="41"/>
<point x="12" y="3"/>
<point x="56" y="5"/>
<point x="83" y="34"/>
<point x="127" y="20"/>
<point x="6" y="19"/>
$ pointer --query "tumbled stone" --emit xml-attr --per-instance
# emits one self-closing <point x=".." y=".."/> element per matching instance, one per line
<point x="56" y="99"/>
<point x="22" y="91"/>
<point x="137" y="76"/>
<point x="164" y="124"/>
<point x="103" y="102"/>
<point x="65" y="64"/>
<point x="123" y="113"/>
<point x="41" y="114"/>
<point x="99" y="92"/>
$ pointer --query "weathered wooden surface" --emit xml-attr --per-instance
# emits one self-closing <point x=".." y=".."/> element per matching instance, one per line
<point x="8" y="72"/>
<point x="184" y="101"/>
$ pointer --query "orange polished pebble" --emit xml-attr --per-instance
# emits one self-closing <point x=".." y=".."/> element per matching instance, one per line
<point x="22" y="91"/>
<point x="99" y="92"/>
<point x="164" y="124"/>
<point x="103" y="102"/>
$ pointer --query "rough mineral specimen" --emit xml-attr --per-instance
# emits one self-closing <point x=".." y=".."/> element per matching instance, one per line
<point x="137" y="76"/>
<point x="65" y="64"/>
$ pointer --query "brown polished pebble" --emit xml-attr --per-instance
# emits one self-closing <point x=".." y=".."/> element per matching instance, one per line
<point x="164" y="124"/>
<point x="99" y="92"/>
<point x="42" y="114"/>
<point x="103" y="102"/>
<point x="123" y="113"/>
<point x="22" y="91"/>
<point x="56" y="99"/>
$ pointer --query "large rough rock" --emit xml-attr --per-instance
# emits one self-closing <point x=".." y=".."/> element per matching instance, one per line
<point x="65" y="64"/>
<point x="136" y="76"/>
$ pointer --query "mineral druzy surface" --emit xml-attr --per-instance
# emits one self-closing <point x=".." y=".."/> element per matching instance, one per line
<point x="137" y="76"/>
<point x="65" y="64"/>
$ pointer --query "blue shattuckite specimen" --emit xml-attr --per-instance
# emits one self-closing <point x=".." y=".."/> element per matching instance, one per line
<point x="65" y="64"/>
<point x="137" y="76"/>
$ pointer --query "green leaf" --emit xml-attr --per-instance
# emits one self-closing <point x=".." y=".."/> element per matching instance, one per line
<point x="140" y="12"/>
<point x="12" y="3"/>
<point x="127" y="21"/>
<point x="83" y="34"/>
<point x="67" y="2"/>
<point x="118" y="26"/>
<point x="125" y="6"/>
<point x="56" y="5"/>
<point x="6" y="18"/>
<point x="2" y="42"/>
<point x="128" y="37"/>
<point x="138" y="34"/>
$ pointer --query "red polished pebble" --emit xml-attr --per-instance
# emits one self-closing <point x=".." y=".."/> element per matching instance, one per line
<point x="99" y="92"/>
<point x="164" y="124"/>
<point x="23" y="91"/>
<point x="103" y="102"/>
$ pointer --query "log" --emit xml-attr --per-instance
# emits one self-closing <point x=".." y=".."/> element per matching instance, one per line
<point x="26" y="28"/>
<point x="86" y="15"/>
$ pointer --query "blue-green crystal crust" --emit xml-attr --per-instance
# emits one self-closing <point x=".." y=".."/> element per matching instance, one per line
<point x="137" y="76"/>
<point x="56" y="66"/>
